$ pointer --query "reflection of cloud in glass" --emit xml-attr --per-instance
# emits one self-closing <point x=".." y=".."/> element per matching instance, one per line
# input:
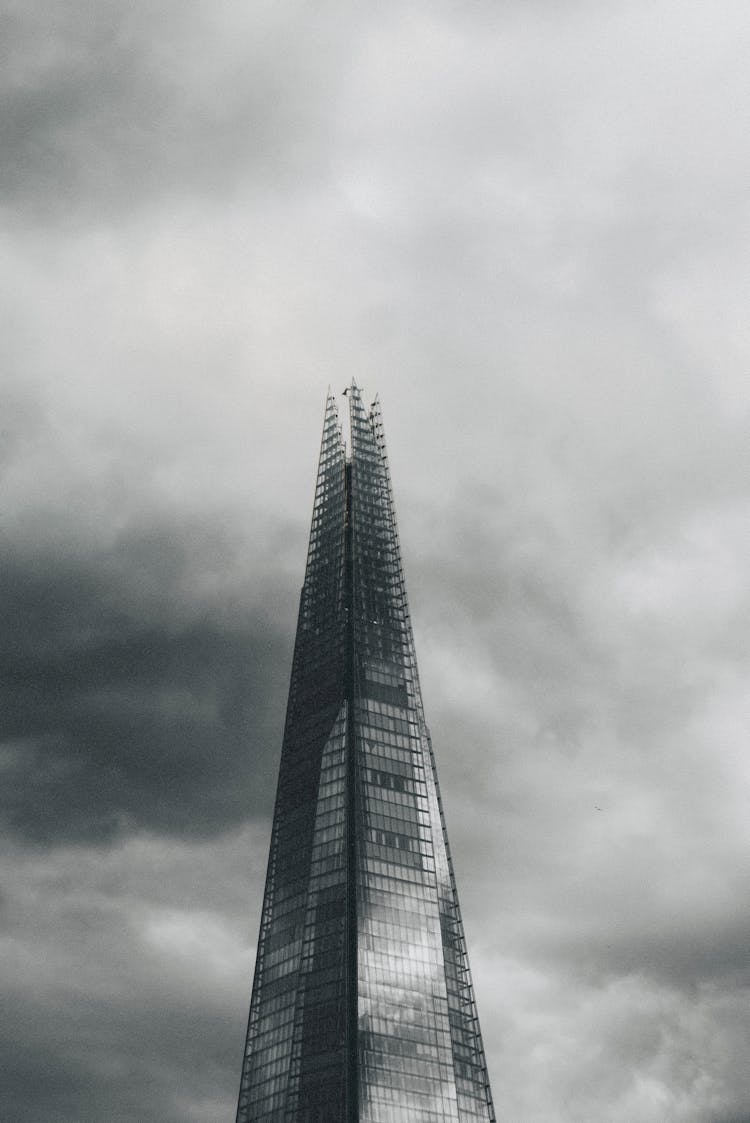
<point x="411" y="1109"/>
<point x="403" y="1016"/>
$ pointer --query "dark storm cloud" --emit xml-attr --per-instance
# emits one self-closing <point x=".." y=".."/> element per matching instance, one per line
<point x="524" y="225"/>
<point x="113" y="1063"/>
<point x="106" y="107"/>
<point x="124" y="708"/>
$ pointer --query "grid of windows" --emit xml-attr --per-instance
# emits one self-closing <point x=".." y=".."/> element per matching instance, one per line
<point x="362" y="1006"/>
<point x="293" y="1066"/>
<point x="420" y="1051"/>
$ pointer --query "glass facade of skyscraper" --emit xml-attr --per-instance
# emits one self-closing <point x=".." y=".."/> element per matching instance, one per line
<point x="362" y="1005"/>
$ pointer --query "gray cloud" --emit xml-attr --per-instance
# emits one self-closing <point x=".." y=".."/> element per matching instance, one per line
<point x="118" y="711"/>
<point x="107" y="108"/>
<point x="524" y="226"/>
<point x="124" y="971"/>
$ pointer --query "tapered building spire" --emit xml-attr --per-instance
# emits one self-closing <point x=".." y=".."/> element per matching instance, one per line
<point x="362" y="1006"/>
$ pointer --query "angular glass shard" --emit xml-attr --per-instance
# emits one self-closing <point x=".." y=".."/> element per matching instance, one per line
<point x="362" y="1006"/>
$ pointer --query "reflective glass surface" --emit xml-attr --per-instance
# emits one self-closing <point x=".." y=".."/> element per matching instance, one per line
<point x="362" y="1005"/>
<point x="294" y="1065"/>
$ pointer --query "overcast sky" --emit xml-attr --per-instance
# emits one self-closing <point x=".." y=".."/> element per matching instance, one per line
<point x="525" y="223"/>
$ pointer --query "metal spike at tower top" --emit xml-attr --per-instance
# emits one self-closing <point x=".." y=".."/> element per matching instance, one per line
<point x="362" y="1005"/>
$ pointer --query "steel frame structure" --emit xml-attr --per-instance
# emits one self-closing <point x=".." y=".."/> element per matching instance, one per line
<point x="362" y="1007"/>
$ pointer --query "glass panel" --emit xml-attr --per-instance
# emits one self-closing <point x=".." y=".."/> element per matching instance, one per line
<point x="362" y="1002"/>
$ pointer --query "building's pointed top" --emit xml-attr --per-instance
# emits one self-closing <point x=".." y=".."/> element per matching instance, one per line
<point x="332" y="413"/>
<point x="358" y="419"/>
<point x="362" y="989"/>
<point x="332" y="430"/>
<point x="355" y="397"/>
<point x="376" y="412"/>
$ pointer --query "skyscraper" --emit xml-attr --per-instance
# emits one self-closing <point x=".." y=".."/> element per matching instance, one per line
<point x="362" y="1006"/>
